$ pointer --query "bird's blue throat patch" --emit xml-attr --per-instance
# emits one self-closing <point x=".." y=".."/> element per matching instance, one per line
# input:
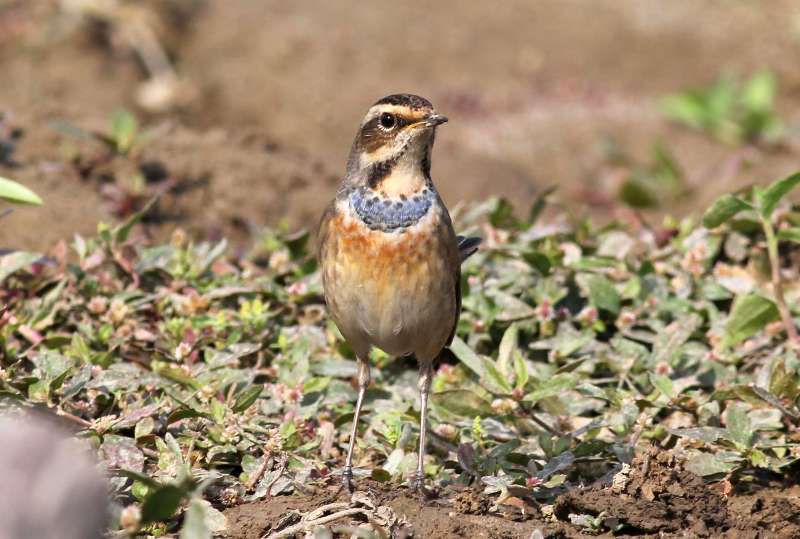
<point x="390" y="214"/>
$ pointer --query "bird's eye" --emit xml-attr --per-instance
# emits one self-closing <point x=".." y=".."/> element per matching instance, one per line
<point x="388" y="120"/>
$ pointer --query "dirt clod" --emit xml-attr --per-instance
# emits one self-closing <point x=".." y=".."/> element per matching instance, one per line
<point x="470" y="502"/>
<point x="659" y="495"/>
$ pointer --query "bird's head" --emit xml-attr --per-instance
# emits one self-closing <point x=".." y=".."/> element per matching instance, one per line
<point x="394" y="141"/>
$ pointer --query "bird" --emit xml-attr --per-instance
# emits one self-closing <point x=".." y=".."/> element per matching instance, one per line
<point x="389" y="258"/>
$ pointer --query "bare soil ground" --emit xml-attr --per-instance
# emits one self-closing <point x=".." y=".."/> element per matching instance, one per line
<point x="655" y="498"/>
<point x="274" y="92"/>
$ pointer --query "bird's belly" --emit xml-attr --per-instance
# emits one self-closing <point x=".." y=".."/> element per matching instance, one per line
<point x="395" y="290"/>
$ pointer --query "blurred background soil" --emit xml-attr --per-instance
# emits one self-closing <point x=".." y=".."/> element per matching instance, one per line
<point x="256" y="124"/>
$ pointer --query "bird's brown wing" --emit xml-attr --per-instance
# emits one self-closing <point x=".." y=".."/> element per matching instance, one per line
<point x="458" y="307"/>
<point x="323" y="233"/>
<point x="466" y="248"/>
<point x="323" y="230"/>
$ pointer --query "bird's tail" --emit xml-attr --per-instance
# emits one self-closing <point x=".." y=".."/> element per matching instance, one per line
<point x="467" y="246"/>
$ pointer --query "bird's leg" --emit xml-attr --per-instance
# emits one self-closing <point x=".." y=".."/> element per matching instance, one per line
<point x="363" y="382"/>
<point x="425" y="378"/>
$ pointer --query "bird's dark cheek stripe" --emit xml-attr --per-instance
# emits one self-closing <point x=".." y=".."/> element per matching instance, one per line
<point x="390" y="215"/>
<point x="380" y="170"/>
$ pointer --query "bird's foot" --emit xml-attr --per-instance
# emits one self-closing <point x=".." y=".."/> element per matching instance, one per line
<point x="347" y="478"/>
<point x="418" y="485"/>
<point x="347" y="481"/>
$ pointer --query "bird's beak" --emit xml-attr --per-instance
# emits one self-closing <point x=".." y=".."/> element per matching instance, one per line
<point x="435" y="119"/>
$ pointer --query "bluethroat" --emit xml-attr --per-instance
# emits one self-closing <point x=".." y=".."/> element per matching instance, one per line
<point x="389" y="256"/>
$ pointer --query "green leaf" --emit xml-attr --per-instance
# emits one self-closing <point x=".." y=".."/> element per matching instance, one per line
<point x="135" y="476"/>
<point x="218" y="410"/>
<point x="462" y="402"/>
<point x="336" y="368"/>
<point x="511" y="308"/>
<point x="603" y="294"/>
<point x="502" y="214"/>
<point x="381" y="475"/>
<point x="556" y="481"/>
<point x="521" y="372"/>
<point x="162" y="503"/>
<point x="507" y="351"/>
<point x="569" y="340"/>
<point x="68" y="129"/>
<point x="230" y="355"/>
<point x="687" y="108"/>
<point x="665" y="166"/>
<point x="121" y="232"/>
<point x="664" y="385"/>
<point x="636" y="192"/>
<point x="759" y="459"/>
<point x="770" y="197"/>
<point x="202" y="521"/>
<point x="738" y="428"/>
<point x="313" y="385"/>
<point x="39" y="391"/>
<point x="704" y="434"/>
<point x="488" y="375"/>
<point x="723" y="209"/>
<point x="184" y="413"/>
<point x="144" y="427"/>
<point x="783" y="382"/>
<point x="790" y="234"/>
<point x="246" y="398"/>
<point x="16" y="261"/>
<point x="502" y="451"/>
<point x="194" y="522"/>
<point x="539" y="204"/>
<point x="538" y="261"/>
<point x="670" y="341"/>
<point x="175" y="374"/>
<point x="749" y="315"/>
<point x="759" y="92"/>
<point x="53" y="366"/>
<point x="552" y="387"/>
<point x="123" y="130"/>
<point x="704" y="464"/>
<point x="12" y="191"/>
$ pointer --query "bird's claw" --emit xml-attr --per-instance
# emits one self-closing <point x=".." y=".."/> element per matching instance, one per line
<point x="347" y="479"/>
<point x="347" y="482"/>
<point x="418" y="485"/>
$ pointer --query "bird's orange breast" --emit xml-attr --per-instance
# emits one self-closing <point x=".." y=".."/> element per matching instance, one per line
<point x="395" y="289"/>
<point x="381" y="264"/>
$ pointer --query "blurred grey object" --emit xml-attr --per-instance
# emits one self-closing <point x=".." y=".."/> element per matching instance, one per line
<point x="49" y="487"/>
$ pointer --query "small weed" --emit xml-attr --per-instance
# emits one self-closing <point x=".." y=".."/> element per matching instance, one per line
<point x="751" y="313"/>
<point x="731" y="111"/>
<point x="661" y="183"/>
<point x="123" y="136"/>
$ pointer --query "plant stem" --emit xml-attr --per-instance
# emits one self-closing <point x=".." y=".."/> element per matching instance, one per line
<point x="777" y="283"/>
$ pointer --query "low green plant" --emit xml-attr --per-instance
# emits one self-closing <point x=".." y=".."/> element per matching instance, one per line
<point x="658" y="183"/>
<point x="731" y="111"/>
<point x="123" y="135"/>
<point x="752" y="312"/>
